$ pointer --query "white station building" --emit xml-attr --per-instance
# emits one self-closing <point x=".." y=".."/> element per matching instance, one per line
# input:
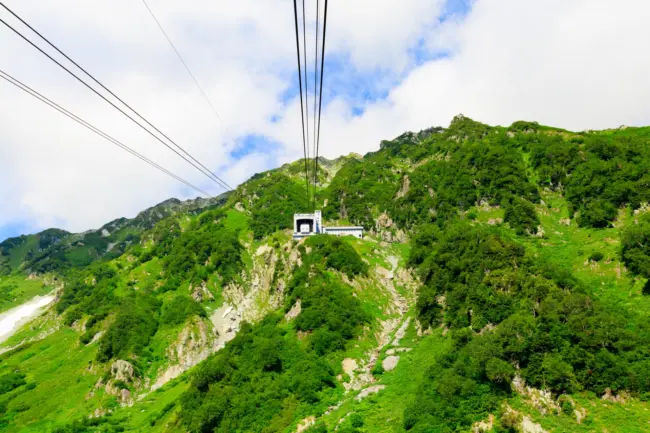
<point x="307" y="224"/>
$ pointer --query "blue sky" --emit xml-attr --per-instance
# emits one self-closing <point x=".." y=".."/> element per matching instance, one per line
<point x="390" y="67"/>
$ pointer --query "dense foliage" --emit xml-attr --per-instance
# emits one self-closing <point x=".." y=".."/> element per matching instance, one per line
<point x="273" y="198"/>
<point x="560" y="338"/>
<point x="600" y="172"/>
<point x="206" y="248"/>
<point x="636" y="246"/>
<point x="521" y="215"/>
<point x="263" y="377"/>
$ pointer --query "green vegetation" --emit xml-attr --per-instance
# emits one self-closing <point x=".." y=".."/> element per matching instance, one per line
<point x="531" y="247"/>
<point x="521" y="216"/>
<point x="636" y="247"/>
<point x="266" y="376"/>
<point x="16" y="290"/>
<point x="272" y="198"/>
<point x="561" y="338"/>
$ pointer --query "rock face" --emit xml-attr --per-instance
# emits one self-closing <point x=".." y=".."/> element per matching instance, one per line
<point x="390" y="362"/>
<point x="122" y="370"/>
<point x="305" y="424"/>
<point x="540" y="399"/>
<point x="201" y="293"/>
<point x="295" y="310"/>
<point x="370" y="390"/>
<point x="484" y="426"/>
<point x="406" y="186"/>
<point x="528" y="426"/>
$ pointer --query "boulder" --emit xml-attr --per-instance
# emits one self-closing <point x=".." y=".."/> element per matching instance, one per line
<point x="122" y="370"/>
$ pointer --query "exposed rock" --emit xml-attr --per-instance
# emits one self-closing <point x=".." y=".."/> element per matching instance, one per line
<point x="201" y="293"/>
<point x="484" y="426"/>
<point x="383" y="273"/>
<point x="98" y="413"/>
<point x="263" y="249"/>
<point x="125" y="397"/>
<point x="622" y="397"/>
<point x="540" y="399"/>
<point x="580" y="414"/>
<point x="401" y="332"/>
<point x="565" y="221"/>
<point x="495" y="221"/>
<point x="406" y="185"/>
<point x="370" y="390"/>
<point x="386" y="236"/>
<point x="400" y="236"/>
<point x="528" y="426"/>
<point x="96" y="337"/>
<point x="305" y="424"/>
<point x="194" y="344"/>
<point x="384" y="221"/>
<point x="487" y="328"/>
<point x="390" y="362"/>
<point x="645" y="207"/>
<point x="349" y="366"/>
<point x="239" y="207"/>
<point x="295" y="310"/>
<point x="122" y="370"/>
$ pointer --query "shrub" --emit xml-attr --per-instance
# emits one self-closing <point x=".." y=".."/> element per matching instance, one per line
<point x="521" y="216"/>
<point x="635" y="241"/>
<point x="11" y="381"/>
<point x="596" y="256"/>
<point x="179" y="309"/>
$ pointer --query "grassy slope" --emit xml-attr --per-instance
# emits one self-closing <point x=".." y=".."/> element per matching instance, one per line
<point x="16" y="289"/>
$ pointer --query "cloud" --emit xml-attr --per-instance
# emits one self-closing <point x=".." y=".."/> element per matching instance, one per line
<point x="392" y="66"/>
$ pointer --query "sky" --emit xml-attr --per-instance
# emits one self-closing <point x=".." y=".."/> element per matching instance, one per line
<point x="391" y="66"/>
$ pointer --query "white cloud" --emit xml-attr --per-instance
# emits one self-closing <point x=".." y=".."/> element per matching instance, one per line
<point x="578" y="64"/>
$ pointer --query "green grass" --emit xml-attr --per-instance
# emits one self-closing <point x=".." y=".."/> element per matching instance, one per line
<point x="16" y="290"/>
<point x="59" y="368"/>
<point x="18" y="254"/>
<point x="602" y="416"/>
<point x="383" y="412"/>
<point x="570" y="246"/>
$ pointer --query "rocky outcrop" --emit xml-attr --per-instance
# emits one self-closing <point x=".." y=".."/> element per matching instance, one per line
<point x="406" y="186"/>
<point x="390" y="362"/>
<point x="305" y="424"/>
<point x="540" y="399"/>
<point x="528" y="426"/>
<point x="484" y="426"/>
<point x="201" y="293"/>
<point x="122" y="370"/>
<point x="370" y="390"/>
<point x="621" y="397"/>
<point x="294" y="311"/>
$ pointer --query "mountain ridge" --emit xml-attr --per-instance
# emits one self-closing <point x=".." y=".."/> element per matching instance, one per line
<point x="495" y="290"/>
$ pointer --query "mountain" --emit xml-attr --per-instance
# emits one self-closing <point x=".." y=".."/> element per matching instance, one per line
<point x="502" y="286"/>
<point x="57" y="250"/>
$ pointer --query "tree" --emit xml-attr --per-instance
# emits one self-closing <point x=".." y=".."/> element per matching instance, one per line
<point x="521" y="216"/>
<point x="635" y="251"/>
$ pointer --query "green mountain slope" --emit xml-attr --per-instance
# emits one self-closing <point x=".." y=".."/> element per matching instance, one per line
<point x="502" y="286"/>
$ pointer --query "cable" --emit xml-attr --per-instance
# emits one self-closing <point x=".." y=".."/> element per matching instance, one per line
<point x="34" y="93"/>
<point x="320" y="98"/>
<point x="302" y="110"/>
<point x="181" y="59"/>
<point x="209" y="173"/>
<point x="316" y="97"/>
<point x="304" y="46"/>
